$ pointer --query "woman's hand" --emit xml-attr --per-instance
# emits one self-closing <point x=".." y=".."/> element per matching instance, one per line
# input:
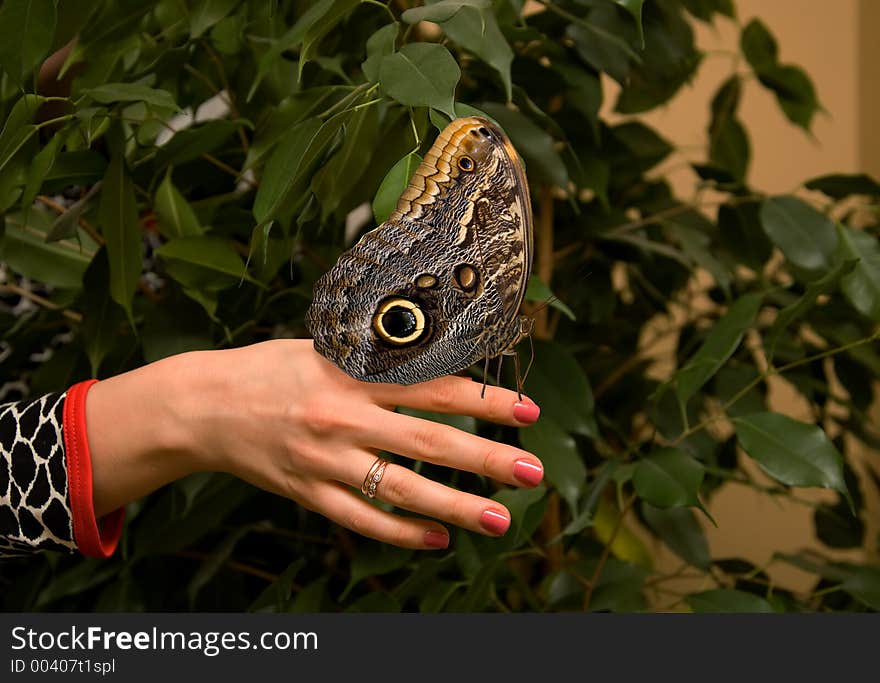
<point x="283" y="418"/>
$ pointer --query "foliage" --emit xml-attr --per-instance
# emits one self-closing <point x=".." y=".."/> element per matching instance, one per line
<point x="136" y="226"/>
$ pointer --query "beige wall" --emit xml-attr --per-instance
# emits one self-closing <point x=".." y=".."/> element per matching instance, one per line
<point x="837" y="44"/>
<point x="818" y="35"/>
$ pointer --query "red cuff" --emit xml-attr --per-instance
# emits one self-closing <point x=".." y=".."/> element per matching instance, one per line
<point x="92" y="538"/>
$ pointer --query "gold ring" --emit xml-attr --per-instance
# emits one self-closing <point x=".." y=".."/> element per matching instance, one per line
<point x="374" y="476"/>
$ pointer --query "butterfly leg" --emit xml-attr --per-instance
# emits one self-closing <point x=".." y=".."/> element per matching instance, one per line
<point x="531" y="358"/>
<point x="498" y="377"/>
<point x="519" y="378"/>
<point x="485" y="377"/>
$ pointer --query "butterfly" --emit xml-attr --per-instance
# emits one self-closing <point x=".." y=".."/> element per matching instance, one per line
<point x="438" y="286"/>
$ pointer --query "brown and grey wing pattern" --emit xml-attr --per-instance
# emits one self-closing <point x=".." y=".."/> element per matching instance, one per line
<point x="437" y="286"/>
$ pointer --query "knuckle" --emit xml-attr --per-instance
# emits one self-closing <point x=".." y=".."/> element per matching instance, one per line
<point x="322" y="418"/>
<point x="444" y="394"/>
<point x="400" y="536"/>
<point x="491" y="455"/>
<point x="400" y="489"/>
<point x="427" y="439"/>
<point x="458" y="511"/>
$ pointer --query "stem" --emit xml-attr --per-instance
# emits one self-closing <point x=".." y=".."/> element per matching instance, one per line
<point x="765" y="375"/>
<point x="606" y="552"/>
<point x="83" y="223"/>
<point x="40" y="301"/>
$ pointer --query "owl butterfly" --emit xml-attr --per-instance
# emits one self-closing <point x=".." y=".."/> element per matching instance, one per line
<point x="438" y="286"/>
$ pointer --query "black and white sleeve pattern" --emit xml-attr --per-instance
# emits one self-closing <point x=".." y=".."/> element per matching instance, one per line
<point x="35" y="509"/>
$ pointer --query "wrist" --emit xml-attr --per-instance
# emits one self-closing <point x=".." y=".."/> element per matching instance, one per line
<point x="138" y="432"/>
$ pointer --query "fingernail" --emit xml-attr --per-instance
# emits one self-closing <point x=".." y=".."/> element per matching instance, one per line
<point x="526" y="412"/>
<point x="494" y="522"/>
<point x="528" y="473"/>
<point x="436" y="539"/>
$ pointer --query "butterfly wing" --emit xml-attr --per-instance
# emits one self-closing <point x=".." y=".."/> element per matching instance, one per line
<point x="439" y="284"/>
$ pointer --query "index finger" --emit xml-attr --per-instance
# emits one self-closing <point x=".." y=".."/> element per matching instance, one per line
<point x="460" y="396"/>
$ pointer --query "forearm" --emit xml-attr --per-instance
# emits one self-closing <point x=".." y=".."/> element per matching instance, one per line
<point x="139" y="431"/>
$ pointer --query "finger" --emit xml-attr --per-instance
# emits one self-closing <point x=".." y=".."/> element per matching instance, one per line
<point x="351" y="510"/>
<point x="404" y="488"/>
<point x="461" y="396"/>
<point x="441" y="444"/>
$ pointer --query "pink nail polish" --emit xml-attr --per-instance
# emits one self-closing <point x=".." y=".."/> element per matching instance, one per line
<point x="526" y="412"/>
<point x="528" y="473"/>
<point x="436" y="539"/>
<point x="494" y="522"/>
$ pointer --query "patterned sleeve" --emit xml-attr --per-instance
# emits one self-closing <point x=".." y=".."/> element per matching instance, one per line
<point x="46" y="479"/>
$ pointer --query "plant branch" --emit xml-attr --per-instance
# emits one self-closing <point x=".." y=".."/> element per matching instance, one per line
<point x="606" y="552"/>
<point x="40" y="301"/>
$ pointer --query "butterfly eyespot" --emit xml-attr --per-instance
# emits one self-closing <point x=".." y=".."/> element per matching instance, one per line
<point x="399" y="321"/>
<point x="465" y="163"/>
<point x="426" y="281"/>
<point x="467" y="277"/>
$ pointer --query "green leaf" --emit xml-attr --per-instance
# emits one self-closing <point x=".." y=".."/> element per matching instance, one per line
<point x="289" y="112"/>
<point x="634" y="7"/>
<point x="824" y="285"/>
<point x="602" y="50"/>
<point x="728" y="142"/>
<point x="102" y="316"/>
<point x="177" y="326"/>
<point x="334" y="182"/>
<point x="863" y="583"/>
<point x="276" y="596"/>
<point x="83" y="167"/>
<point x="118" y="216"/>
<point x="727" y="601"/>
<point x="38" y="170"/>
<point x="806" y="237"/>
<point x="669" y="478"/>
<point x="321" y="27"/>
<point x="18" y="129"/>
<point x="553" y="369"/>
<point x="24" y="248"/>
<point x="441" y="11"/>
<point x="66" y="224"/>
<point x="705" y="10"/>
<point x="534" y="144"/>
<point x="794" y="91"/>
<point x="285" y="174"/>
<point x="393" y="185"/>
<point x="213" y="564"/>
<point x="739" y="227"/>
<point x="478" y="32"/>
<point x="722" y="340"/>
<point x="191" y="143"/>
<point x="759" y="45"/>
<point x="792" y="452"/>
<point x="379" y="45"/>
<point x="291" y="39"/>
<point x="526" y="512"/>
<point x="421" y="75"/>
<point x="842" y="185"/>
<point x="375" y="559"/>
<point x="679" y="529"/>
<point x="563" y="466"/>
<point x="26" y="31"/>
<point x="217" y="263"/>
<point x="176" y="217"/>
<point x="132" y="92"/>
<point x="862" y="285"/>
<point x="538" y="290"/>
<point x="207" y="13"/>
